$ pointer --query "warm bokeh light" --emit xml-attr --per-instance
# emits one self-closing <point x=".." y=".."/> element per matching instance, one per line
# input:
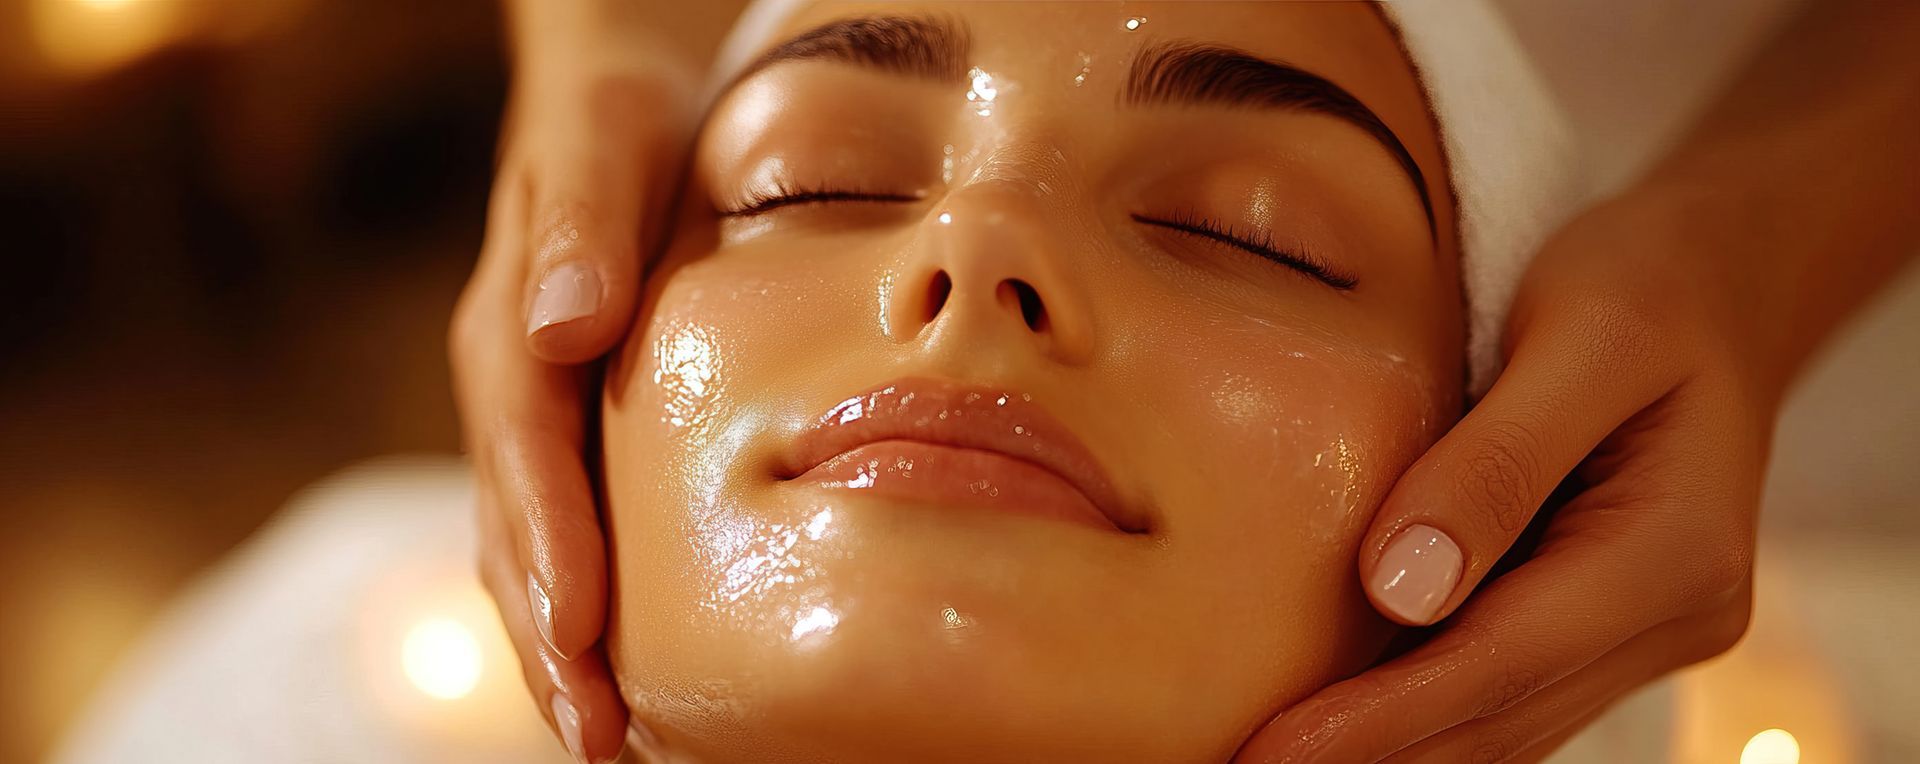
<point x="91" y="36"/>
<point x="1774" y="746"/>
<point x="442" y="658"/>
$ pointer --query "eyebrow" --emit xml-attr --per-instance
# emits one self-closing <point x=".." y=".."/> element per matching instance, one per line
<point x="1164" y="73"/>
<point x="1191" y="73"/>
<point x="923" y="47"/>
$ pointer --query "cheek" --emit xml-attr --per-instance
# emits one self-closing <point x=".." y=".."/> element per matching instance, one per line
<point x="1278" y="441"/>
<point x="1301" y="432"/>
<point x="705" y="577"/>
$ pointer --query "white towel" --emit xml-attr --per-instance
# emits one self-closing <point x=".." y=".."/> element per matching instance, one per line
<point x="1511" y="156"/>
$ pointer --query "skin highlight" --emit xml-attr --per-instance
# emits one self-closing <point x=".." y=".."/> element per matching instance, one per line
<point x="1253" y="412"/>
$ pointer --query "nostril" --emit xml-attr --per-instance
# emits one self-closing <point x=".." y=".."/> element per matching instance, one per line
<point x="1031" y="308"/>
<point x="937" y="291"/>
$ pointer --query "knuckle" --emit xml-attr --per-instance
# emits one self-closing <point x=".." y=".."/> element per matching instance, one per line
<point x="465" y="329"/>
<point x="1625" y="324"/>
<point x="1326" y="725"/>
<point x="1496" y="745"/>
<point x="1730" y="626"/>
<point x="1616" y="328"/>
<point x="1725" y="570"/>
<point x="1513" y="684"/>
<point x="1725" y="575"/>
<point x="1499" y="478"/>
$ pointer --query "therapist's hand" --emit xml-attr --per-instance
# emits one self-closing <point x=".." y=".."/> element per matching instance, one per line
<point x="1626" y="363"/>
<point x="1647" y="352"/>
<point x="591" y="147"/>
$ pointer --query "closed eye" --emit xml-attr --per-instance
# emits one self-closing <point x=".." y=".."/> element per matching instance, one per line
<point x="1257" y="243"/>
<point x="761" y="202"/>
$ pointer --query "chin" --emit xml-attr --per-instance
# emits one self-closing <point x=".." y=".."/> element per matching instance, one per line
<point x="900" y="632"/>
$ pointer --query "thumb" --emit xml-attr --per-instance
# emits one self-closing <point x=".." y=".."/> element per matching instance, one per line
<point x="1462" y="504"/>
<point x="597" y="204"/>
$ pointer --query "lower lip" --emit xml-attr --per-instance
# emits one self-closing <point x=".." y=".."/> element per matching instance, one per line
<point x="940" y="475"/>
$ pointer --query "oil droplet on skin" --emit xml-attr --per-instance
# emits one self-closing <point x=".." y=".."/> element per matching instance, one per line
<point x="884" y="298"/>
<point x="955" y="625"/>
<point x="1244" y="401"/>
<point x="562" y="236"/>
<point x="982" y="91"/>
<point x="1086" y="68"/>
<point x="764" y="562"/>
<point x="763" y="577"/>
<point x="817" y="621"/>
<point x="686" y="369"/>
<point x="1134" y="23"/>
<point x="946" y="165"/>
<point x="1340" y="464"/>
<point x="817" y="526"/>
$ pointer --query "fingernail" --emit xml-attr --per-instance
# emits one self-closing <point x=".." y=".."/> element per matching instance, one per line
<point x="568" y="720"/>
<point x="1417" y="573"/>
<point x="542" y="606"/>
<point x="569" y="291"/>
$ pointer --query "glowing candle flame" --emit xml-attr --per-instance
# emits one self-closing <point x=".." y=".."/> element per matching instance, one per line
<point x="1774" y="746"/>
<point x="442" y="658"/>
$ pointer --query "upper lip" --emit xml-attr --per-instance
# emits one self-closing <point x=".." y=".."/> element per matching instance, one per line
<point x="991" y="419"/>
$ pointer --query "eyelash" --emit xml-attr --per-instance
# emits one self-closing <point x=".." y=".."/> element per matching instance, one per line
<point x="785" y="195"/>
<point x="1258" y="243"/>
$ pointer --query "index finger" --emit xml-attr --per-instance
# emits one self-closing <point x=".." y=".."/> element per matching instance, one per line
<point x="525" y="423"/>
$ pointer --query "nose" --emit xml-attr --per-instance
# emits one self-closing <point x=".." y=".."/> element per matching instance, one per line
<point x="988" y="268"/>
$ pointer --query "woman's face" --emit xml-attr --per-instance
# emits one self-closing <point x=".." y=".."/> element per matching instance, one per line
<point x="1019" y="379"/>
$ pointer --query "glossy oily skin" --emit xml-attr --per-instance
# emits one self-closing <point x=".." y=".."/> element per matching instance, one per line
<point x="953" y="425"/>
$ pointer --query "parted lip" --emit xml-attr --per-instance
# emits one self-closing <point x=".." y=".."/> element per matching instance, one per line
<point x="958" y="415"/>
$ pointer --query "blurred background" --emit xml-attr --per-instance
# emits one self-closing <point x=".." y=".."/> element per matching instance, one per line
<point x="233" y="232"/>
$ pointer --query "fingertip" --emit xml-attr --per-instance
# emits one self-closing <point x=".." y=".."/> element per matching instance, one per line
<point x="561" y="561"/>
<point x="565" y="294"/>
<point x="603" y="714"/>
<point x="567" y="722"/>
<point x="577" y="615"/>
<point x="570" y="626"/>
<point x="541" y="606"/>
<point x="590" y="737"/>
<point x="570" y="342"/>
<point x="588" y="714"/>
<point x="577" y="312"/>
<point x="1416" y="575"/>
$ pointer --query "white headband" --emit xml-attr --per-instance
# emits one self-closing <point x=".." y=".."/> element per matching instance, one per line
<point x="1511" y="157"/>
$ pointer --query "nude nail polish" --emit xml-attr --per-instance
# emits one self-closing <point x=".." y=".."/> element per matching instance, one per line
<point x="1417" y="573"/>
<point x="569" y="291"/>
<point x="567" y="720"/>
<point x="542" y="607"/>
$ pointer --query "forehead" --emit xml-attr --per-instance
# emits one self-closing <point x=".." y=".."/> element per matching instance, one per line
<point x="1349" y="43"/>
<point x="1076" y="55"/>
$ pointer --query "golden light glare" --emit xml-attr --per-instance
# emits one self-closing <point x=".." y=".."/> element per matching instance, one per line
<point x="441" y="658"/>
<point x="95" y="35"/>
<point x="1774" y="746"/>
